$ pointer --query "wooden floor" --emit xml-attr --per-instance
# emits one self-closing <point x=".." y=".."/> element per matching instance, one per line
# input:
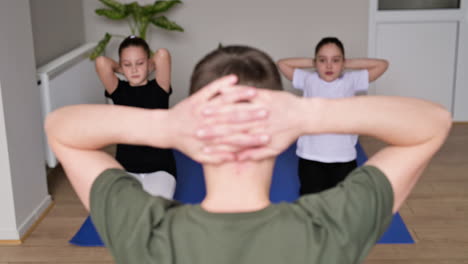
<point x="436" y="214"/>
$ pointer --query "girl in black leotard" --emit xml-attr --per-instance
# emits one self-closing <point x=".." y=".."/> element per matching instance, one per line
<point x="154" y="167"/>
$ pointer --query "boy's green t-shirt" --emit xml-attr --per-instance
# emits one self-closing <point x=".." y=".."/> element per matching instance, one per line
<point x="336" y="226"/>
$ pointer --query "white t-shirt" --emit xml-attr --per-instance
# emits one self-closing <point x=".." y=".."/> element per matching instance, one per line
<point x="329" y="148"/>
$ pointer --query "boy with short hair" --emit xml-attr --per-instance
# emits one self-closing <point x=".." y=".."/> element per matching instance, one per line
<point x="236" y="132"/>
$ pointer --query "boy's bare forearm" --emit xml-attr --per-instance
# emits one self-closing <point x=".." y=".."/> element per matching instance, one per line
<point x="402" y="122"/>
<point x="396" y="120"/>
<point x="91" y="127"/>
<point x="413" y="128"/>
<point x="77" y="133"/>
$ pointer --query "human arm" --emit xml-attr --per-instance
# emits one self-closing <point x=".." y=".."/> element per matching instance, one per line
<point x="414" y="129"/>
<point x="288" y="65"/>
<point x="106" y="69"/>
<point x="375" y="67"/>
<point x="77" y="133"/>
<point x="161" y="63"/>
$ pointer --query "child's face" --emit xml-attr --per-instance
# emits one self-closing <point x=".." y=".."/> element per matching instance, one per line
<point x="329" y="62"/>
<point x="134" y="63"/>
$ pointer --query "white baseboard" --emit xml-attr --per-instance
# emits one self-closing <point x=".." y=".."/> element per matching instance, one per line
<point x="34" y="216"/>
<point x="28" y="223"/>
<point x="9" y="234"/>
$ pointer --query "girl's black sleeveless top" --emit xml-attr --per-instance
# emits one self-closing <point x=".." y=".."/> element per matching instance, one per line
<point x="143" y="159"/>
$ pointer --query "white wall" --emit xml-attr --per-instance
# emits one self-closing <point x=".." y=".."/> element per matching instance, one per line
<point x="57" y="26"/>
<point x="461" y="84"/>
<point x="7" y="221"/>
<point x="22" y="174"/>
<point x="281" y="28"/>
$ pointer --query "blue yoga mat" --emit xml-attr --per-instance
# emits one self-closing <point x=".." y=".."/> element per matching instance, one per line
<point x="191" y="189"/>
<point x="396" y="233"/>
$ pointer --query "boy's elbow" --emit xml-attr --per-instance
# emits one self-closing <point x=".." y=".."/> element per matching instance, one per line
<point x="442" y="121"/>
<point x="49" y="125"/>
<point x="446" y="120"/>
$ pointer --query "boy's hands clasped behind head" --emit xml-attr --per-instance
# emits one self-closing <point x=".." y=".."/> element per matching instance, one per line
<point x="215" y="126"/>
<point x="285" y="125"/>
<point x="243" y="124"/>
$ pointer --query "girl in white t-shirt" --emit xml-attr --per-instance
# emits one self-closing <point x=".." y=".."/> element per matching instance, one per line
<point x="325" y="160"/>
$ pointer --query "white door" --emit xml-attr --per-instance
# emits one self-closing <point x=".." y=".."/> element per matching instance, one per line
<point x="427" y="54"/>
<point x="422" y="60"/>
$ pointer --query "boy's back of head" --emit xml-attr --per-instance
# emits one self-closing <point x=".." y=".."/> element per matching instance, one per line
<point x="252" y="66"/>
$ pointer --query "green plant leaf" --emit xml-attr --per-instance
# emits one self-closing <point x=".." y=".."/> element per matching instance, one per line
<point x="111" y="14"/>
<point x="159" y="7"/>
<point x="144" y="27"/>
<point x="114" y="5"/>
<point x="165" y="23"/>
<point x="100" y="47"/>
<point x="135" y="9"/>
<point x="137" y="14"/>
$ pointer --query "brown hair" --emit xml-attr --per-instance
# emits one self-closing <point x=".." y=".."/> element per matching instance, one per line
<point x="329" y="40"/>
<point x="252" y="67"/>
<point x="134" y="41"/>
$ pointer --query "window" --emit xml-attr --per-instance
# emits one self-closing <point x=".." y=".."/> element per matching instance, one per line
<point x="418" y="4"/>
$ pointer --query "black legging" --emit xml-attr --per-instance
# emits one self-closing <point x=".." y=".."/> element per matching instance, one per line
<point x="318" y="176"/>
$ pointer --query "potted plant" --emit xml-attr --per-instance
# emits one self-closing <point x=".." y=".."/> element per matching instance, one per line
<point x="139" y="18"/>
